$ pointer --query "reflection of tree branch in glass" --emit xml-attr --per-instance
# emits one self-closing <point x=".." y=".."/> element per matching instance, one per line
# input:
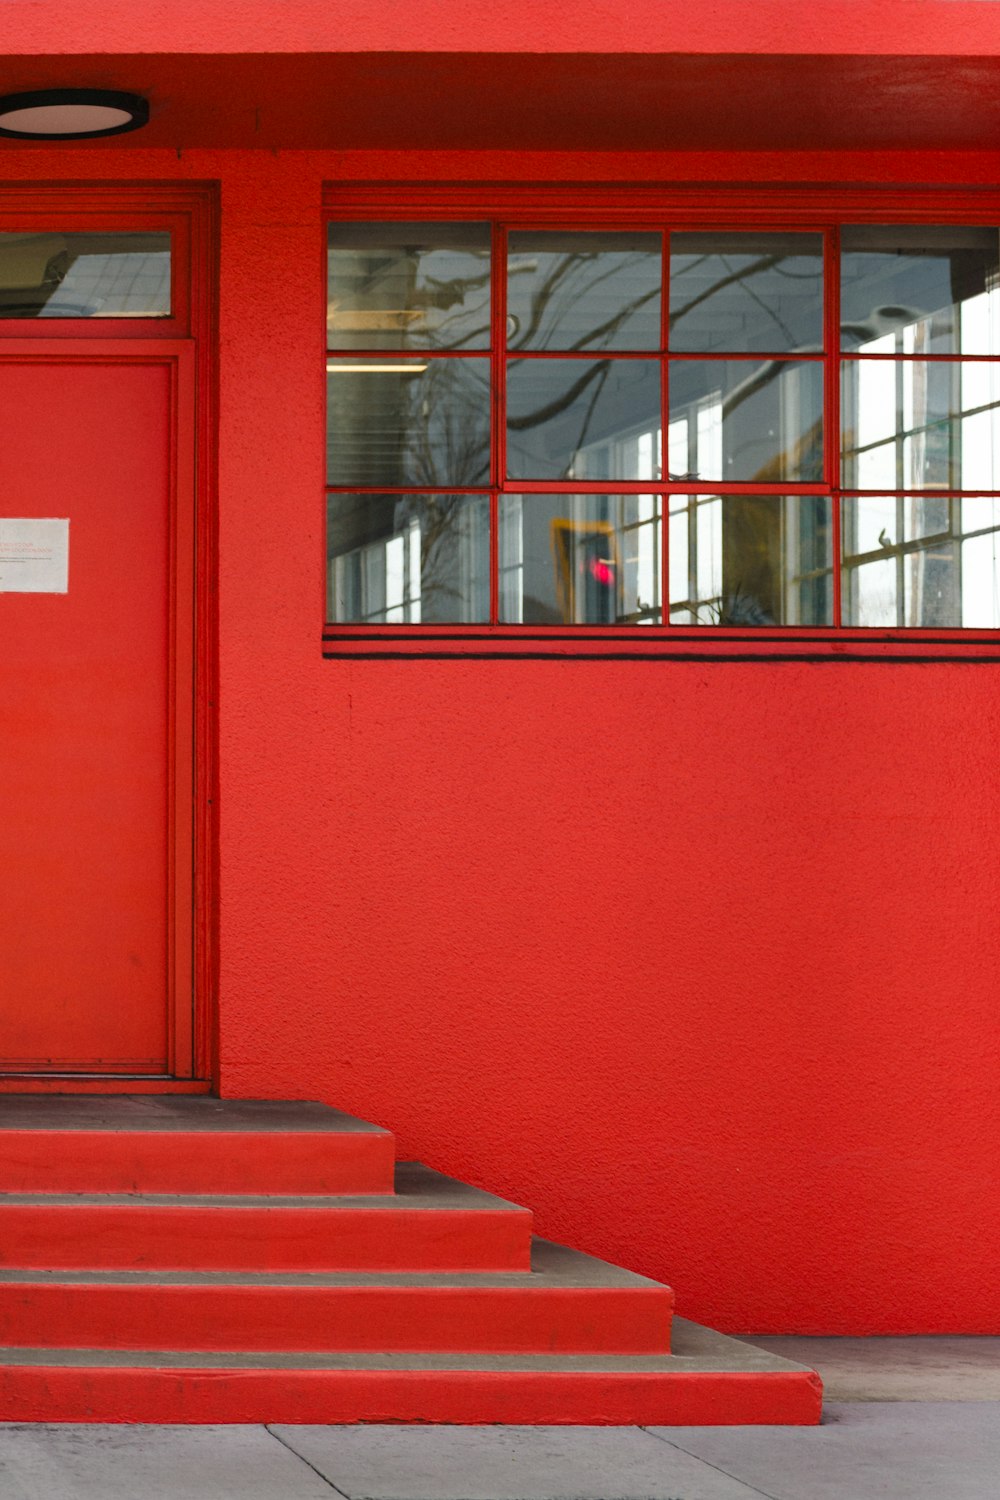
<point x="562" y="402"/>
<point x="575" y="282"/>
<point x="543" y="300"/>
<point x="733" y="278"/>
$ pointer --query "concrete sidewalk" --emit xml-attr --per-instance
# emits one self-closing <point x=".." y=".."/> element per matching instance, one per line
<point x="864" y="1451"/>
<point x="935" y="1448"/>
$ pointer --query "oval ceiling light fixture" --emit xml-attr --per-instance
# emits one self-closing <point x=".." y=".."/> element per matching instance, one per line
<point x="71" y="114"/>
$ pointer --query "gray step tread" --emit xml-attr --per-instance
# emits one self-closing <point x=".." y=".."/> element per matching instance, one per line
<point x="553" y="1267"/>
<point x="417" y="1187"/>
<point x="694" y="1350"/>
<point x="156" y="1113"/>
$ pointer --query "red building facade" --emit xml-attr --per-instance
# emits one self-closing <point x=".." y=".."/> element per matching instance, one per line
<point x="681" y="929"/>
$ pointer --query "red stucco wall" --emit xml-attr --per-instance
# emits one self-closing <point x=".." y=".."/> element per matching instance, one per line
<point x="853" y="27"/>
<point x="697" y="960"/>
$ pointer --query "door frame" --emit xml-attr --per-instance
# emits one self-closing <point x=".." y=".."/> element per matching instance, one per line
<point x="184" y="343"/>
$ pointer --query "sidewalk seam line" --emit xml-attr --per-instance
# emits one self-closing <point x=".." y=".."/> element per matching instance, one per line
<point x="709" y="1465"/>
<point x="296" y="1454"/>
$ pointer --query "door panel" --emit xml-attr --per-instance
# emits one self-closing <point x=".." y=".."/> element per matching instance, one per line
<point x="85" y="722"/>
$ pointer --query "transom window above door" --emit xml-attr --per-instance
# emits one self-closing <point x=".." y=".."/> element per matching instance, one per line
<point x="664" y="426"/>
<point x="85" y="274"/>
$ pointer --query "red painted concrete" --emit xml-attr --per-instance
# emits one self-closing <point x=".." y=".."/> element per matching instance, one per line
<point x="49" y="1313"/>
<point x="106" y="1394"/>
<point x="270" y="1237"/>
<point x="314" y="74"/>
<point x="98" y="1161"/>
<point x="710" y="985"/>
<point x="571" y="100"/>
<point x="697" y="960"/>
<point x="919" y="27"/>
<point x="82" y="1334"/>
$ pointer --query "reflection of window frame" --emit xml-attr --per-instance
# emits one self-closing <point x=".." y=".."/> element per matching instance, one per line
<point x="361" y="574"/>
<point x="581" y="210"/>
<point x="565" y="539"/>
<point x="916" y="553"/>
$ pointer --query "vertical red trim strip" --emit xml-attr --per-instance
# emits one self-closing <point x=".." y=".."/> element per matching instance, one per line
<point x="498" y="434"/>
<point x="831" y="417"/>
<point x="664" y="428"/>
<point x="183" y="583"/>
<point x="324" y="538"/>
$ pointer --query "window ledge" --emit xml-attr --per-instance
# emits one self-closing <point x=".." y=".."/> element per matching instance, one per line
<point x="455" y="643"/>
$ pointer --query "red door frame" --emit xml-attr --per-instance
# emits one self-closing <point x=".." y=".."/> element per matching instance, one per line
<point x="185" y="344"/>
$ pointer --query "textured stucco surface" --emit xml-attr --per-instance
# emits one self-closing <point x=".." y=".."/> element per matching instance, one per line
<point x="696" y="960"/>
<point x="916" y="27"/>
<point x="523" y="73"/>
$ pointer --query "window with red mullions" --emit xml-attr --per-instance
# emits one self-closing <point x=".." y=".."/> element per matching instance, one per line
<point x="668" y="426"/>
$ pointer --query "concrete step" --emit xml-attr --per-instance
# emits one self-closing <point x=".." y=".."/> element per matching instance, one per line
<point x="707" y="1379"/>
<point x="145" y="1143"/>
<point x="430" y="1223"/>
<point x="567" y="1303"/>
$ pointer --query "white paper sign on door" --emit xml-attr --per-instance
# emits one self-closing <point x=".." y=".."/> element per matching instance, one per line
<point x="34" y="556"/>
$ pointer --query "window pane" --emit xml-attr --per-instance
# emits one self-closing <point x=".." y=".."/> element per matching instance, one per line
<point x="408" y="422"/>
<point x="109" y="275"/>
<point x="409" y="286"/>
<point x="916" y="561"/>
<point x="878" y="523"/>
<point x="750" y="560"/>
<point x="919" y="424"/>
<point x="980" y="569"/>
<point x="580" y="559"/>
<point x="583" y="419"/>
<point x="741" y="422"/>
<point x="583" y="291"/>
<point x="930" y="290"/>
<point x="746" y="293"/>
<point x="408" y="559"/>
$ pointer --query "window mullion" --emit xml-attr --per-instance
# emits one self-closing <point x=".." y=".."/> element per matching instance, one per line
<point x="832" y="421"/>
<point x="498" y="382"/>
<point x="664" y="502"/>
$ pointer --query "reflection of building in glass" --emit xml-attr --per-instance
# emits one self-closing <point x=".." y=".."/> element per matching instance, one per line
<point x="585" y="350"/>
<point x="914" y="419"/>
<point x="425" y="560"/>
<point x="85" y="275"/>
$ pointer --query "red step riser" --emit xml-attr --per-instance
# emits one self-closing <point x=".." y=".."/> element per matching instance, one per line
<point x="95" y="1161"/>
<point x="140" y="1237"/>
<point x="358" y="1319"/>
<point x="32" y="1394"/>
<point x="105" y="1086"/>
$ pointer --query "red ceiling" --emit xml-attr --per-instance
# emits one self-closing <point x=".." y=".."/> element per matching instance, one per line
<point x="565" y="101"/>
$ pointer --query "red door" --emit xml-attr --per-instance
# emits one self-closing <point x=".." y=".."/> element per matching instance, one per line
<point x="92" y="846"/>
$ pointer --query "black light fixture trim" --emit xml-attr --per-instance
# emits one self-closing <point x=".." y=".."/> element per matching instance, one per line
<point x="132" y="104"/>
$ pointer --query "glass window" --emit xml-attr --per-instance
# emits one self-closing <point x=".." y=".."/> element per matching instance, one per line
<point x="750" y="560"/>
<point x="85" y="275"/>
<point x="409" y="559"/>
<point x="746" y="293"/>
<point x="408" y="286"/>
<point x="915" y="424"/>
<point x="580" y="559"/>
<point x="583" y="291"/>
<point x="408" y="422"/>
<point x="746" y="422"/>
<point x="929" y="290"/>
<point x="638" y="426"/>
<point x="582" y="418"/>
<point x="922" y="562"/>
